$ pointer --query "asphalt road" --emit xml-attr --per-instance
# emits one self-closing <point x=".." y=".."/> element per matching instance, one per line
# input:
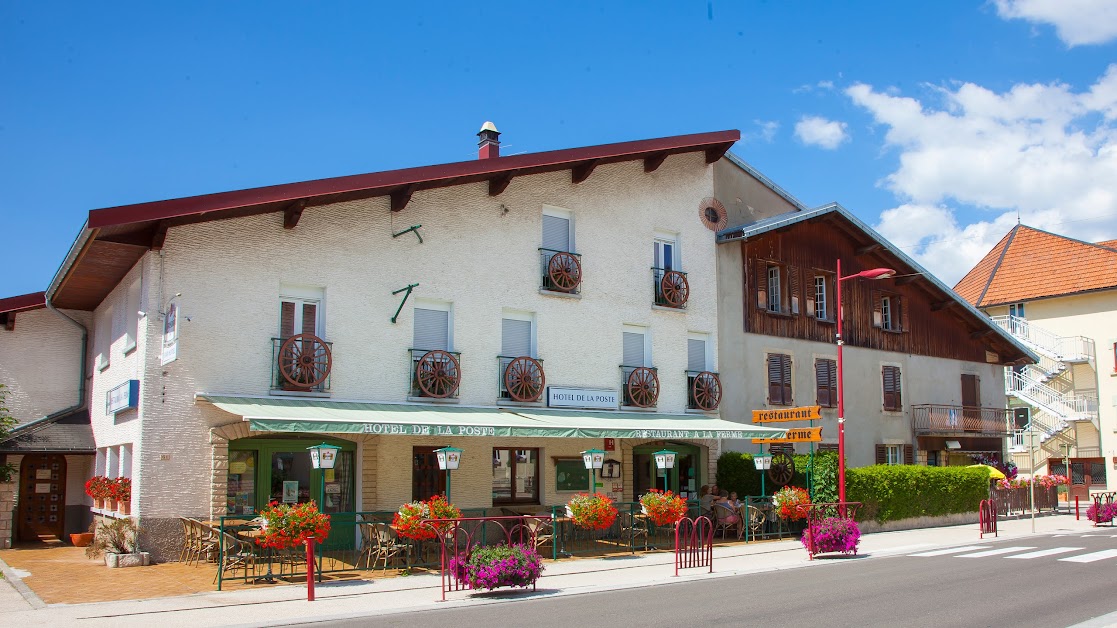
<point x="906" y="590"/>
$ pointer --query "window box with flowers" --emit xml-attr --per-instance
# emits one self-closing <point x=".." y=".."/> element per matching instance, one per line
<point x="121" y="492"/>
<point x="499" y="566"/>
<point x="591" y="512"/>
<point x="99" y="488"/>
<point x="409" y="520"/>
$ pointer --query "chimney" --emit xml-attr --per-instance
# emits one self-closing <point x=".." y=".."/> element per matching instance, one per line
<point x="489" y="144"/>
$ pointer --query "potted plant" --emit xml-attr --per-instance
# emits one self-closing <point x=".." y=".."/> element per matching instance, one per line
<point x="408" y="521"/>
<point x="284" y="526"/>
<point x="121" y="491"/>
<point x="832" y="534"/>
<point x="499" y="566"/>
<point x="99" y="488"/>
<point x="790" y="503"/>
<point x="663" y="508"/>
<point x="116" y="539"/>
<point x="592" y="512"/>
<point x="84" y="539"/>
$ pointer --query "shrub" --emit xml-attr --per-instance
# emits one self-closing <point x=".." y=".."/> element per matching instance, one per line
<point x="663" y="508"/>
<point x="736" y="472"/>
<point x="115" y="536"/>
<point x="592" y="512"/>
<point x="833" y="534"/>
<point x="499" y="566"/>
<point x="893" y="492"/>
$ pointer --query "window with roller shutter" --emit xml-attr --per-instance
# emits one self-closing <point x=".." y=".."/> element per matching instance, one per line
<point x="779" y="379"/>
<point x="432" y="331"/>
<point x="635" y="355"/>
<point x="826" y="382"/>
<point x="564" y="275"/>
<point x="517" y="331"/>
<point x="890" y="376"/>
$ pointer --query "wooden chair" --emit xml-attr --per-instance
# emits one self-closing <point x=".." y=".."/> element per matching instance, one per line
<point x="721" y="520"/>
<point x="370" y="545"/>
<point x="237" y="554"/>
<point x="633" y="527"/>
<point x="188" y="540"/>
<point x="542" y="530"/>
<point x="389" y="547"/>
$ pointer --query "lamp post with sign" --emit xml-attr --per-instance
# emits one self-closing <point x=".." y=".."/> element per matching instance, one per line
<point x="448" y="460"/>
<point x="593" y="459"/>
<point x="665" y="461"/>
<point x="763" y="462"/>
<point x="876" y="273"/>
<point x="322" y="457"/>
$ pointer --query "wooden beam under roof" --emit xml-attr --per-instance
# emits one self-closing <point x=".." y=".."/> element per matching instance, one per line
<point x="160" y="235"/>
<point x="868" y="248"/>
<point x="582" y="171"/>
<point x="653" y="162"/>
<point x="715" y="153"/>
<point x="497" y="185"/>
<point x="402" y="196"/>
<point x="292" y="213"/>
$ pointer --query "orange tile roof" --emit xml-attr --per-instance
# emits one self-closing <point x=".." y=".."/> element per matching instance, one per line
<point x="1109" y="243"/>
<point x="1030" y="264"/>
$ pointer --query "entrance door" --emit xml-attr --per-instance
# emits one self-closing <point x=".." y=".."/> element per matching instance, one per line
<point x="427" y="480"/>
<point x="42" y="497"/>
<point x="971" y="400"/>
<point x="682" y="479"/>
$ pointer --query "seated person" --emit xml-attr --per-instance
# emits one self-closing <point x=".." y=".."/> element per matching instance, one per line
<point x="705" y="500"/>
<point x="733" y="502"/>
<point x="729" y="514"/>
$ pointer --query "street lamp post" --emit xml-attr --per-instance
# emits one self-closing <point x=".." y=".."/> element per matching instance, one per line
<point x="665" y="461"/>
<point x="322" y="457"/>
<point x="448" y="460"/>
<point x="876" y="273"/>
<point x="593" y="458"/>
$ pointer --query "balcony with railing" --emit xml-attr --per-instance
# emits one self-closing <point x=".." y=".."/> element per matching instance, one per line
<point x="640" y="385"/>
<point x="947" y="420"/>
<point x="301" y="363"/>
<point x="671" y="288"/>
<point x="703" y="390"/>
<point x="521" y="379"/>
<point x="1065" y="348"/>
<point x="435" y="374"/>
<point x="561" y="271"/>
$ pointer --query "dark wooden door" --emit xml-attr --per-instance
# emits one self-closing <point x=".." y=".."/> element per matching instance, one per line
<point x="427" y="480"/>
<point x="42" y="497"/>
<point x="971" y="402"/>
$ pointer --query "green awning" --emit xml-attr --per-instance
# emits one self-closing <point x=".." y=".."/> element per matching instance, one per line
<point x="268" y="414"/>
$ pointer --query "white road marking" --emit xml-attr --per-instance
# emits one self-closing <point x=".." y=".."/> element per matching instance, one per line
<point x="1089" y="558"/>
<point x="953" y="550"/>
<point x="1047" y="552"/>
<point x="994" y="552"/>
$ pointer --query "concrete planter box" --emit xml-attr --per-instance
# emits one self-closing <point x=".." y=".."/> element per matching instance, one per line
<point x="139" y="559"/>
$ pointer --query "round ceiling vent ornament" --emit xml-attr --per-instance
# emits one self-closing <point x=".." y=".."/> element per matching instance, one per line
<point x="713" y="214"/>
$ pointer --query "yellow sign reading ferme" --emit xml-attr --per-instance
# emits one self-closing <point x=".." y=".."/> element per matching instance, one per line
<point x="806" y="413"/>
<point x="795" y="435"/>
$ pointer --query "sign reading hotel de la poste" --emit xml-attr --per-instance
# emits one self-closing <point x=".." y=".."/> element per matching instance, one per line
<point x="582" y="398"/>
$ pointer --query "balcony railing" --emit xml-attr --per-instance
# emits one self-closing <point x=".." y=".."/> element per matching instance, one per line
<point x="520" y="379"/>
<point x="640" y="385"/>
<point x="703" y="390"/>
<point x="435" y="373"/>
<point x="671" y="288"/>
<point x="951" y="420"/>
<point x="561" y="271"/>
<point x="301" y="363"/>
<point x="1068" y="348"/>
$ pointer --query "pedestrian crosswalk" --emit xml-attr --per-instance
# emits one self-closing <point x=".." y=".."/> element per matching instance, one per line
<point x="1020" y="552"/>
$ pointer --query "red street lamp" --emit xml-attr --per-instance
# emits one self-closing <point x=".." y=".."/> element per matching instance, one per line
<point x="876" y="273"/>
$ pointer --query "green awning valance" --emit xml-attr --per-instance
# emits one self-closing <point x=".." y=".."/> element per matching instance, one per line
<point x="278" y="414"/>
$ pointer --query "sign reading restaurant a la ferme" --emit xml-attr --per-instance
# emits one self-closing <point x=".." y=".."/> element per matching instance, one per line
<point x="795" y="435"/>
<point x="805" y="413"/>
<point x="581" y="398"/>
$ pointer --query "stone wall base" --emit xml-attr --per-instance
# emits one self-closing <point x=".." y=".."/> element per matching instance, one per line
<point x="162" y="538"/>
<point x="957" y="519"/>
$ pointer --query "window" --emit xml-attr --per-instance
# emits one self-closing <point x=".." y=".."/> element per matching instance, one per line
<point x="890" y="376"/>
<point x="888" y="312"/>
<point x="696" y="352"/>
<point x="774" y="297"/>
<point x="132" y="316"/>
<point x="826" y="382"/>
<point x="669" y="283"/>
<point x="777" y="287"/>
<point x="702" y="385"/>
<point x="894" y="454"/>
<point x="666" y="252"/>
<point x="640" y="385"/>
<point x="1115" y="357"/>
<point x="634" y="341"/>
<point x="1016" y="309"/>
<point x="434" y="331"/>
<point x="558" y="233"/>
<point x="427" y="480"/>
<point x="779" y="379"/>
<point x="517" y="339"/>
<point x="560" y="267"/>
<point x="821" y="304"/>
<point x="299" y="313"/>
<point x="516" y="476"/>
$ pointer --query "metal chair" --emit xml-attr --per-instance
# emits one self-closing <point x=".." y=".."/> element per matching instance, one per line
<point x="721" y="515"/>
<point x="237" y="554"/>
<point x="633" y="528"/>
<point x="389" y="546"/>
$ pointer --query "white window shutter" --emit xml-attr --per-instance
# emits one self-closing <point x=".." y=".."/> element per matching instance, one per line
<point x="515" y="338"/>
<point x="556" y="233"/>
<point x="432" y="329"/>
<point x="633" y="349"/>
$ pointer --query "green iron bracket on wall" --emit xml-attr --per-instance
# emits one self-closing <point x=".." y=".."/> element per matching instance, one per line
<point x="408" y="289"/>
<point x="412" y="228"/>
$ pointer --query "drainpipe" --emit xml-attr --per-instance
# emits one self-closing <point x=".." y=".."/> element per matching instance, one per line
<point x="84" y="357"/>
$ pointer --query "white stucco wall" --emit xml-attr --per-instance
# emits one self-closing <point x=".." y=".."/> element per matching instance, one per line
<point x="476" y="255"/>
<point x="40" y="363"/>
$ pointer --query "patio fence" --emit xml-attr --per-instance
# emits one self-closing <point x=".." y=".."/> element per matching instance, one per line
<point x="1011" y="501"/>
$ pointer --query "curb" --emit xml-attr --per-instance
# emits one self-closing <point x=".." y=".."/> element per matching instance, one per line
<point x="19" y="585"/>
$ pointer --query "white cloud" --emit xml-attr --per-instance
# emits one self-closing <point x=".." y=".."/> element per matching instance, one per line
<point x="766" y="129"/>
<point x="816" y="131"/>
<point x="1046" y="151"/>
<point x="1077" y="22"/>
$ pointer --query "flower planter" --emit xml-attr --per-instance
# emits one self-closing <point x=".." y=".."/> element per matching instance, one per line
<point x="139" y="559"/>
<point x="81" y="539"/>
<point x="124" y="507"/>
<point x="99" y="504"/>
<point x="499" y="566"/>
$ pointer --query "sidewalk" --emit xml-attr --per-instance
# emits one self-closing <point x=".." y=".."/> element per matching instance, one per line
<point x="287" y="604"/>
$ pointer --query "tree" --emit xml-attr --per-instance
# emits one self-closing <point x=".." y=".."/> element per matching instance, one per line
<point x="7" y="422"/>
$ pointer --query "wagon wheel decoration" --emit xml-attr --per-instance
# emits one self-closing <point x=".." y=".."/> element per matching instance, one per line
<point x="706" y="391"/>
<point x="305" y="360"/>
<point x="524" y="379"/>
<point x="438" y="374"/>
<point x="643" y="387"/>
<point x="675" y="288"/>
<point x="783" y="467"/>
<point x="565" y="271"/>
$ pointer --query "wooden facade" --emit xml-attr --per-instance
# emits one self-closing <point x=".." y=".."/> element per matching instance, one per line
<point x="904" y="314"/>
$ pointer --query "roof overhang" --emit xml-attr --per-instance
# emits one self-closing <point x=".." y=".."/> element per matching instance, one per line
<point x="23" y="302"/>
<point x="878" y="245"/>
<point x="115" y="238"/>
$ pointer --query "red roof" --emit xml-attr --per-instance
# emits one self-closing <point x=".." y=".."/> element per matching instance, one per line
<point x="1031" y="264"/>
<point x="116" y="237"/>
<point x="23" y="302"/>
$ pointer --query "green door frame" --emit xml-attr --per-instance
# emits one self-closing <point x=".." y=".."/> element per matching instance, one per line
<point x="265" y="447"/>
<point x="683" y="449"/>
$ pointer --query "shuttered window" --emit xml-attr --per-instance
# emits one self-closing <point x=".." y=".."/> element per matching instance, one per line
<point x="432" y="329"/>
<point x="633" y="349"/>
<point x="556" y="233"/>
<point x="826" y="383"/>
<point x="779" y="379"/>
<point x="774" y="297"/>
<point x="889" y="312"/>
<point x="820" y="298"/>
<point x="298" y="317"/>
<point x="695" y="354"/>
<point x="515" y="338"/>
<point x="895" y="454"/>
<point x="890" y="376"/>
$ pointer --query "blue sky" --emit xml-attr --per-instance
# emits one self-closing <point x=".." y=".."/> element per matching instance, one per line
<point x="936" y="122"/>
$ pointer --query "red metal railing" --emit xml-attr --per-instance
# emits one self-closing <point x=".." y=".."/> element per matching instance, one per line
<point x="944" y="419"/>
<point x="694" y="543"/>
<point x="987" y="517"/>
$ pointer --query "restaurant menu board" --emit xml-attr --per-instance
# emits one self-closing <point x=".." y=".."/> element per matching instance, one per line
<point x="242" y="483"/>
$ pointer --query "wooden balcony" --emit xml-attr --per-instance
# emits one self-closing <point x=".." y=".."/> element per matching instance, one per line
<point x="944" y="420"/>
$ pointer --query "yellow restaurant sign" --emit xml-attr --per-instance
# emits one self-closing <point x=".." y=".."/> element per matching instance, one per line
<point x="795" y="435"/>
<point x="806" y="413"/>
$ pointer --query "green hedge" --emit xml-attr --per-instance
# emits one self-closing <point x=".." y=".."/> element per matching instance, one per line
<point x="893" y="492"/>
<point x="736" y="472"/>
